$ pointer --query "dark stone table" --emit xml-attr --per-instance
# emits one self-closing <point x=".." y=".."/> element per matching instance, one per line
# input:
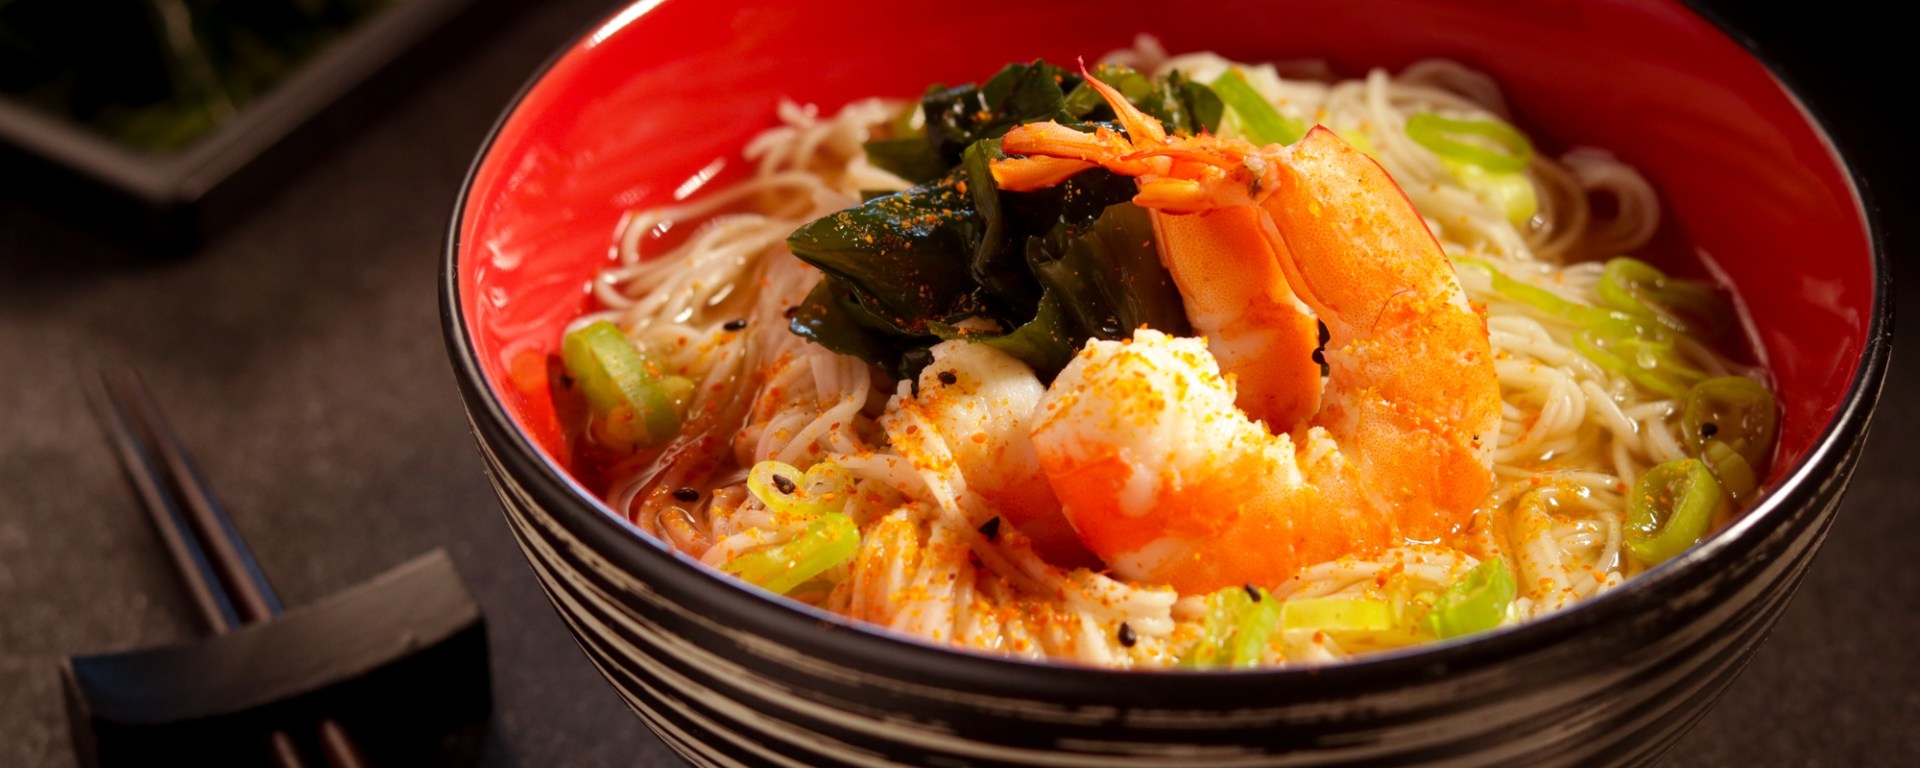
<point x="300" y="355"/>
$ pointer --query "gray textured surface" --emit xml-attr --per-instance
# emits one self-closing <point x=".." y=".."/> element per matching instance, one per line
<point x="300" y="356"/>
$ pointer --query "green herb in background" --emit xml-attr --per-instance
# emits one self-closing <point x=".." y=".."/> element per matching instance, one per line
<point x="156" y="75"/>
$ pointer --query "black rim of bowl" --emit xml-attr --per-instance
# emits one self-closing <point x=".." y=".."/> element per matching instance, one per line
<point x="898" y="655"/>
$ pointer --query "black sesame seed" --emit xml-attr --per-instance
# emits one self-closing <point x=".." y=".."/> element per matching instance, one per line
<point x="991" y="529"/>
<point x="1127" y="638"/>
<point x="736" y="324"/>
<point x="947" y="377"/>
<point x="1252" y="591"/>
<point x="686" y="494"/>
<point x="783" y="484"/>
<point x="1709" y="429"/>
<point x="1320" y="350"/>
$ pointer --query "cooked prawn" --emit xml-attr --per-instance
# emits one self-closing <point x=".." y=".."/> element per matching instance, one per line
<point x="1160" y="469"/>
<point x="979" y="401"/>
<point x="1227" y="272"/>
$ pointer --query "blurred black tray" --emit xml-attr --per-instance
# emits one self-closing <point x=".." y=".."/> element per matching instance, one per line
<point x="172" y="200"/>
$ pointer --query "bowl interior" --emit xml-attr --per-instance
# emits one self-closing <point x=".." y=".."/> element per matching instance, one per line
<point x="657" y="101"/>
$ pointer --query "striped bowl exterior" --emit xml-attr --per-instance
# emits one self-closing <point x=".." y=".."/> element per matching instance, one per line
<point x="728" y="679"/>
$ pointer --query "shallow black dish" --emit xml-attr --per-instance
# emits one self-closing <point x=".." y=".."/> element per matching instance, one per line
<point x="77" y="74"/>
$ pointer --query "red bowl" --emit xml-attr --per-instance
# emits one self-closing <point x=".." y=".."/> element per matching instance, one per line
<point x="663" y="93"/>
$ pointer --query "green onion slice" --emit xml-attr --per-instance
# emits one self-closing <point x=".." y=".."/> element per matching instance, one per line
<point x="1651" y="363"/>
<point x="1671" y="506"/>
<point x="1511" y="193"/>
<point x="1476" y="603"/>
<point x="1733" y="471"/>
<point x="1337" y="614"/>
<point x="1240" y="623"/>
<point x="822" y="489"/>
<point x="1494" y="146"/>
<point x="1734" y="410"/>
<point x="633" y="407"/>
<point x="1637" y="288"/>
<point x="1255" y="630"/>
<point x="679" y="390"/>
<point x="829" y="540"/>
<point x="1553" y="305"/>
<point x="1257" y="117"/>
<point x="1625" y="337"/>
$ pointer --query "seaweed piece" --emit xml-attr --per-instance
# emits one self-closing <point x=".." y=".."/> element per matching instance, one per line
<point x="1046" y="343"/>
<point x="1182" y="105"/>
<point x="1112" y="271"/>
<point x="1020" y="93"/>
<point x="1037" y="273"/>
<point x="903" y="256"/>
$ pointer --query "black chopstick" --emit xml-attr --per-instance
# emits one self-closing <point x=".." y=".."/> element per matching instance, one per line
<point x="252" y="596"/>
<point x="212" y="558"/>
<point x="188" y="556"/>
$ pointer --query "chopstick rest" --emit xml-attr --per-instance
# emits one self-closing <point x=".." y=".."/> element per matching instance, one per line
<point x="393" y="671"/>
<point x="400" y="661"/>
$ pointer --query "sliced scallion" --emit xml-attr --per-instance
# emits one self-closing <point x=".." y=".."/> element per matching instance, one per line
<point x="1734" y="410"/>
<point x="1476" y="603"/>
<point x="1511" y="193"/>
<point x="1255" y="629"/>
<point x="826" y="542"/>
<point x="1210" y="648"/>
<point x="1337" y="614"/>
<point x="789" y="492"/>
<point x="679" y="390"/>
<point x="1256" y="117"/>
<point x="1553" y="305"/>
<point x="1653" y="363"/>
<point x="1490" y="144"/>
<point x="1640" y="289"/>
<point x="630" y="397"/>
<point x="1239" y="625"/>
<point x="1670" y="509"/>
<point x="1733" y="471"/>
